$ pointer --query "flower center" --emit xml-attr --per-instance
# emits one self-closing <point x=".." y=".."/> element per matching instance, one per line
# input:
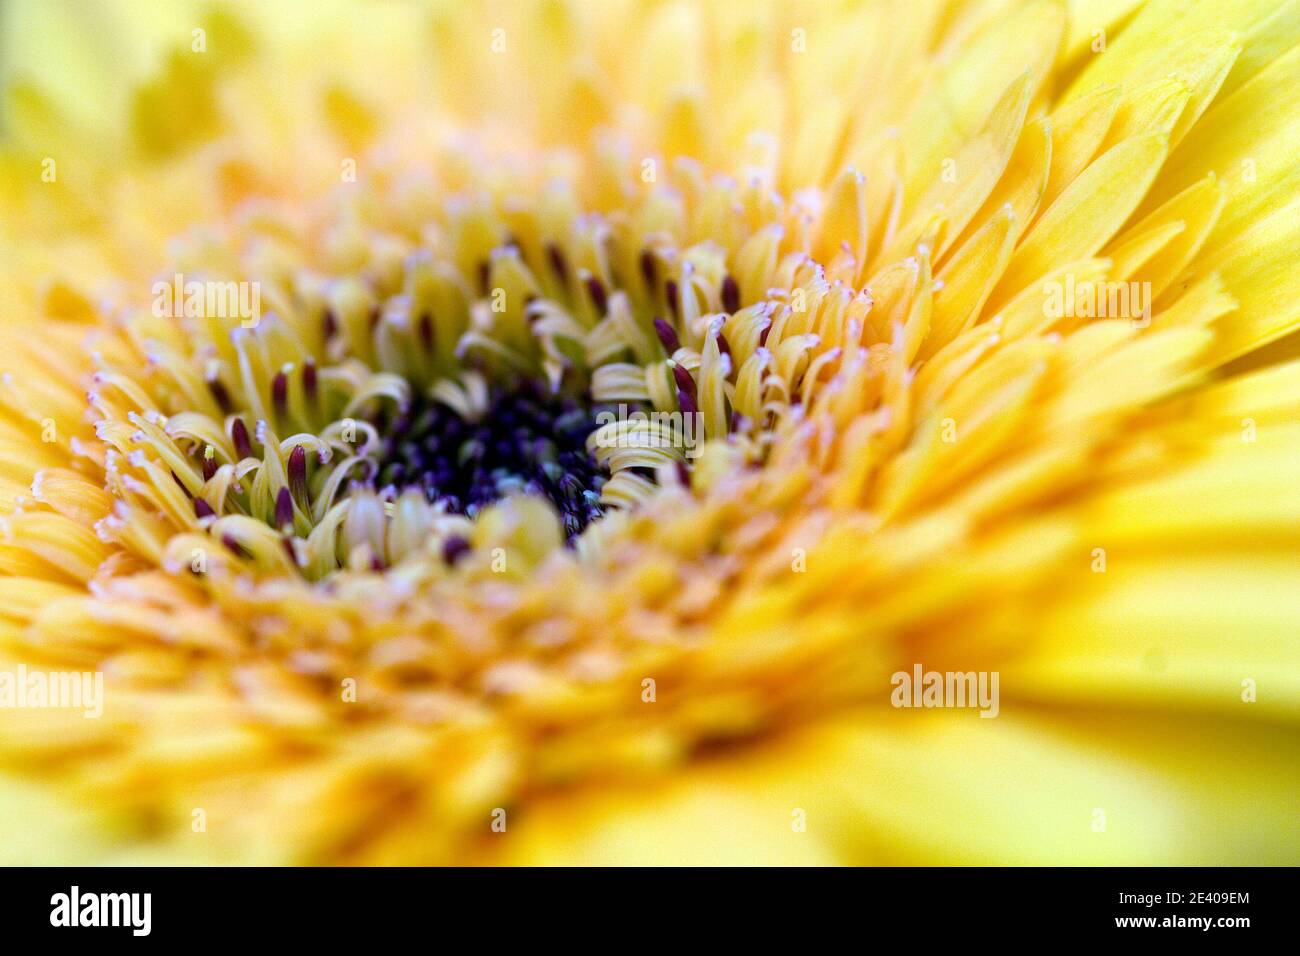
<point x="525" y="439"/>
<point x="387" y="396"/>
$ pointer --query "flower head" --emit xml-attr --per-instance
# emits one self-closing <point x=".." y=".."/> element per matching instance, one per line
<point x="558" y="432"/>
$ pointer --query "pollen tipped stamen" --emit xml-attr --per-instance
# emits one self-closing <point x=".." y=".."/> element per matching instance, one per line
<point x="558" y="264"/>
<point x="309" y="382"/>
<point x="730" y="295"/>
<point x="667" y="336"/>
<point x="599" y="297"/>
<point x="648" y="269"/>
<point x="284" y="510"/>
<point x="297" y="469"/>
<point x="239" y="436"/>
<point x="280" y="393"/>
<point x="670" y="293"/>
<point x="454" y="548"/>
<point x="220" y="395"/>
<point x="685" y="383"/>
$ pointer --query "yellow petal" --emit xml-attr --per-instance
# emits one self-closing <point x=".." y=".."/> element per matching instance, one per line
<point x="968" y="278"/>
<point x="1087" y="213"/>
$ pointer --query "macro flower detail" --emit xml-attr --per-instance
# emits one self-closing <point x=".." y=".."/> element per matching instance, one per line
<point x="539" y="433"/>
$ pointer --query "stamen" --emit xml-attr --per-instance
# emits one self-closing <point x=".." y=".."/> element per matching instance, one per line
<point x="221" y="395"/>
<point x="239" y="435"/>
<point x="454" y="548"/>
<point x="599" y="298"/>
<point x="298" y="475"/>
<point x="309" y="384"/>
<point x="667" y="336"/>
<point x="648" y="268"/>
<point x="280" y="393"/>
<point x="558" y="265"/>
<point x="683" y="379"/>
<point x="724" y="347"/>
<point x="283" y="509"/>
<point x="730" y="295"/>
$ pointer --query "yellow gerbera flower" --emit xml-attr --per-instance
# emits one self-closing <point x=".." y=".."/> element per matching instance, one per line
<point x="613" y="432"/>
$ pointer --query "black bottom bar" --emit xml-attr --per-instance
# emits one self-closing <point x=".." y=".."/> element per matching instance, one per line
<point x="439" y="906"/>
